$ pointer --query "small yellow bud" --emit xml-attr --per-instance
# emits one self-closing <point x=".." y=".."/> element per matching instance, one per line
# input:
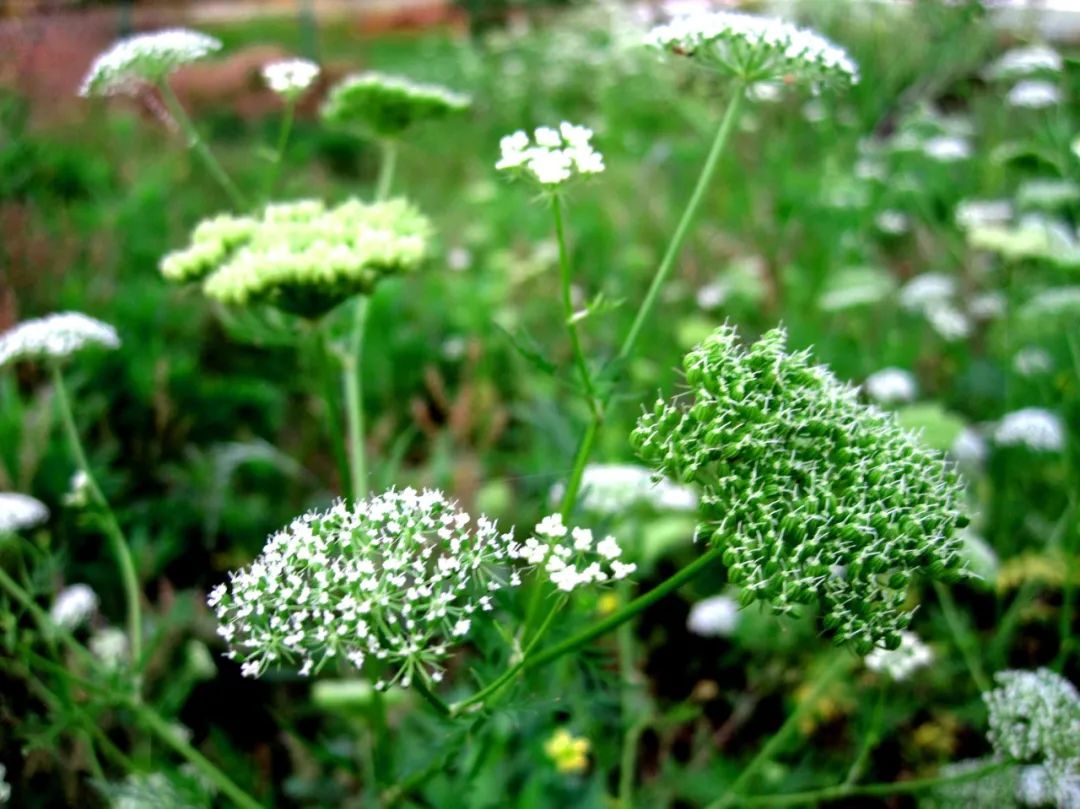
<point x="569" y="753"/>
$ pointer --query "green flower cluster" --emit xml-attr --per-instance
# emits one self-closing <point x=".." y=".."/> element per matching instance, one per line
<point x="815" y="496"/>
<point x="302" y="256"/>
<point x="388" y="105"/>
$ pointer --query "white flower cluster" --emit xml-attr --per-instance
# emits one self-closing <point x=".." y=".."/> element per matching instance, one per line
<point x="144" y="59"/>
<point x="54" y="337"/>
<point x="552" y="156"/>
<point x="947" y="148"/>
<point x="291" y="77"/>
<point x="1032" y="361"/>
<point x="5" y="787"/>
<point x="931" y="294"/>
<point x="611" y="489"/>
<point x="1034" y="94"/>
<point x="912" y="654"/>
<point x="110" y="646"/>
<point x="891" y="386"/>
<point x="74" y="606"/>
<point x="391" y="582"/>
<point x="757" y="49"/>
<point x="975" y="213"/>
<point x="20" y="511"/>
<point x="1034" y="717"/>
<point x="969" y="449"/>
<point x="717" y="616"/>
<point x="571" y="557"/>
<point x="1032" y="427"/>
<point x="1027" y="61"/>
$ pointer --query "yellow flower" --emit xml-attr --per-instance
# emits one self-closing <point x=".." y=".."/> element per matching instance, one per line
<point x="569" y="753"/>
<point x="607" y="604"/>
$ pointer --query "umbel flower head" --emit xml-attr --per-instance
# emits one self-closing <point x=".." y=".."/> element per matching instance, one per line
<point x="145" y="59"/>
<point x="912" y="654"/>
<point x="755" y="49"/>
<point x="302" y="256"/>
<point x="1034" y="717"/>
<point x="74" y="606"/>
<point x="613" y="489"/>
<point x="813" y="495"/>
<point x="394" y="580"/>
<point x="55" y="337"/>
<point x="20" y="511"/>
<point x="552" y="156"/>
<point x="291" y="77"/>
<point x="388" y="105"/>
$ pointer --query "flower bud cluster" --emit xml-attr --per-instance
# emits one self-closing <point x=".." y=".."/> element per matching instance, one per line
<point x="392" y="582"/>
<point x="55" y="337"/>
<point x="290" y="78"/>
<point x="389" y="105"/>
<point x="145" y="59"/>
<point x="756" y="49"/>
<point x="814" y="496"/>
<point x="1034" y="717"/>
<point x="302" y="256"/>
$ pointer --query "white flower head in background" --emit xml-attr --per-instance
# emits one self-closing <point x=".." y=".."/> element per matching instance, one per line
<point x="987" y="305"/>
<point x="891" y="386"/>
<point x="5" y="787"/>
<point x="949" y="322"/>
<point x="290" y="78"/>
<point x="899" y="663"/>
<point x="927" y="290"/>
<point x="611" y="489"/>
<point x="1040" y="786"/>
<point x="20" y="511"/>
<point x="1034" y="94"/>
<point x="755" y="49"/>
<point x="1027" y="61"/>
<point x="74" y="606"/>
<point x="947" y="148"/>
<point x="110" y="646"/>
<point x="78" y="494"/>
<point x="1032" y="427"/>
<point x="982" y="561"/>
<point x="717" y="616"/>
<point x="145" y="59"/>
<point x="974" y="213"/>
<point x="1032" y="361"/>
<point x="551" y="156"/>
<point x="893" y="223"/>
<point x="969" y="449"/>
<point x="55" y="337"/>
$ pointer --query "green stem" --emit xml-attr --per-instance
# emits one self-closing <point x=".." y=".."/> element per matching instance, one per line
<point x="581" y="460"/>
<point x="869" y="740"/>
<point x="198" y="145"/>
<point x="283" y="142"/>
<point x="871" y="790"/>
<point x="387" y="168"/>
<point x="115" y="536"/>
<point x="568" y="307"/>
<point x="778" y="739"/>
<point x="433" y="700"/>
<point x="688" y="216"/>
<point x="352" y="378"/>
<point x="962" y="637"/>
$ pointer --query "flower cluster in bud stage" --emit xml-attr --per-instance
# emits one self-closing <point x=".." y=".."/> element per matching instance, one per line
<point x="302" y="256"/>
<point x="814" y="496"/>
<point x="145" y="59"/>
<point x="20" y="511"/>
<point x="390" y="584"/>
<point x="755" y="49"/>
<point x="55" y="337"/>
<point x="291" y="77"/>
<point x="552" y="156"/>
<point x="387" y="105"/>
<point x="1034" y="718"/>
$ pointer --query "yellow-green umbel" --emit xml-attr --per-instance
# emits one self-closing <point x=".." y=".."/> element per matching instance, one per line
<point x="302" y="257"/>
<point x="815" y="496"/>
<point x="386" y="106"/>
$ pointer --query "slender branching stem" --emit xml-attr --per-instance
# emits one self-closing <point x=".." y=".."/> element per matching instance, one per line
<point x="282" y="145"/>
<point x="198" y="145"/>
<point x="117" y="542"/>
<point x="962" y="636"/>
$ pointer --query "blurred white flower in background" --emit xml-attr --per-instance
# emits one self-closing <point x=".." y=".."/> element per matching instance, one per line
<point x="1031" y="361"/>
<point x="969" y="449"/>
<point x="552" y="156"/>
<point x="110" y="646"/>
<point x="145" y="59"/>
<point x="74" y="606"/>
<point x="78" y="494"/>
<point x="947" y="148"/>
<point x="899" y="663"/>
<point x="5" y="787"/>
<point x="712" y="296"/>
<point x="891" y="386"/>
<point x="716" y="616"/>
<point x="981" y="558"/>
<point x="891" y="222"/>
<point x="55" y="337"/>
<point x="20" y="511"/>
<point x="975" y="213"/>
<point x="1033" y="427"/>
<point x="987" y="305"/>
<point x="1026" y="61"/>
<point x="611" y="489"/>
<point x="290" y="78"/>
<point x="949" y="322"/>
<point x="926" y="290"/>
<point x="1034" y="94"/>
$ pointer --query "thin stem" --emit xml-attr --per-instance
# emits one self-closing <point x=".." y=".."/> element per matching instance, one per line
<point x="387" y="168"/>
<point x="962" y="637"/>
<point x="870" y="740"/>
<point x="773" y="745"/>
<point x="433" y="700"/>
<point x="198" y="145"/>
<point x="683" y="228"/>
<point x="282" y="145"/>
<point x="581" y="460"/>
<point x="118" y="544"/>
<point x="871" y="790"/>
<point x="352" y="378"/>
<point x="568" y="307"/>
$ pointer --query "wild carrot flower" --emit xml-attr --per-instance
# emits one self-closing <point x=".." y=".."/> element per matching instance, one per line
<point x="551" y="156"/>
<point x="387" y="105"/>
<point x="716" y="616"/>
<point x="74" y="606"/>
<point x="813" y="496"/>
<point x="755" y="49"/>
<point x="145" y="59"/>
<point x="891" y="386"/>
<point x="20" y="511"/>
<point x="899" y="663"/>
<point x="1034" y="94"/>
<point x="302" y="256"/>
<point x="55" y="337"/>
<point x="1032" y="427"/>
<point x="291" y="77"/>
